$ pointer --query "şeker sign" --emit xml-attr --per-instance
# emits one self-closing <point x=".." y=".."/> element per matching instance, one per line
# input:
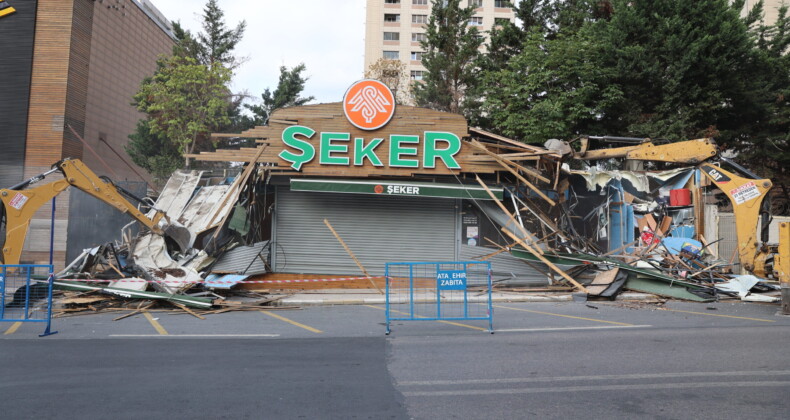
<point x="369" y="105"/>
<point x="365" y="135"/>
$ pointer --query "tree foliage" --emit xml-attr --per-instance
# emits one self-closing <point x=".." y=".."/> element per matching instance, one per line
<point x="188" y="97"/>
<point x="153" y="152"/>
<point x="217" y="41"/>
<point x="450" y="54"/>
<point x="185" y="101"/>
<point x="672" y="69"/>
<point x="392" y="73"/>
<point x="287" y="94"/>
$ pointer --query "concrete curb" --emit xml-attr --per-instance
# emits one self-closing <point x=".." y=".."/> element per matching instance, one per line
<point x="347" y="298"/>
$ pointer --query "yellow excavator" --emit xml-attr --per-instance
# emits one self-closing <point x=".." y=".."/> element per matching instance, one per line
<point x="747" y="195"/>
<point x="21" y="201"/>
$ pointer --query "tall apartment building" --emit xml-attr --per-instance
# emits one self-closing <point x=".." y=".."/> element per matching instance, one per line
<point x="394" y="28"/>
<point x="771" y="8"/>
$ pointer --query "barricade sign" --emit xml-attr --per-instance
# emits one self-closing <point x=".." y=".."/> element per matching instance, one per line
<point x="26" y="294"/>
<point x="439" y="291"/>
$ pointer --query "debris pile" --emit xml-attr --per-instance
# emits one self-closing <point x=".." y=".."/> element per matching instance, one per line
<point x="215" y="249"/>
<point x="642" y="229"/>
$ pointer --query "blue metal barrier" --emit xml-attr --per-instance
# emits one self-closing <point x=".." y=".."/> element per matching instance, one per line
<point x="439" y="291"/>
<point x="26" y="294"/>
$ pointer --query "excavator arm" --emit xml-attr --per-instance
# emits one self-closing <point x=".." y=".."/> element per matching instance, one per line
<point x="689" y="152"/>
<point x="21" y="204"/>
<point x="747" y="197"/>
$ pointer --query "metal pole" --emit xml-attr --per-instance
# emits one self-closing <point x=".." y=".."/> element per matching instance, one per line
<point x="387" y="296"/>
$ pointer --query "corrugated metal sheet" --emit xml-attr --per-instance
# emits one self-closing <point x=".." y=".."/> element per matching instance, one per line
<point x="506" y="269"/>
<point x="238" y="259"/>
<point x="16" y="50"/>
<point x="378" y="229"/>
<point x="203" y="207"/>
<point x="177" y="192"/>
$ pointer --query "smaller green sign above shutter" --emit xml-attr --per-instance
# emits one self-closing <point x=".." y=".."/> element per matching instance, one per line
<point x="413" y="189"/>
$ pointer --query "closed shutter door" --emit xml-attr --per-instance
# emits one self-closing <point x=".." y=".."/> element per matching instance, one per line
<point x="378" y="229"/>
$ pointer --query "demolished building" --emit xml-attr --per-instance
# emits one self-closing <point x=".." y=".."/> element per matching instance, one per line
<point x="332" y="192"/>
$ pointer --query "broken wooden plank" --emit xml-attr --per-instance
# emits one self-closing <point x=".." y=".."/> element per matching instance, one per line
<point x="545" y="261"/>
<point x="353" y="257"/>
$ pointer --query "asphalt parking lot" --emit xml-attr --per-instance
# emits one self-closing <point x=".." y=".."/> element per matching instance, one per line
<point x="546" y="360"/>
<point x="368" y="320"/>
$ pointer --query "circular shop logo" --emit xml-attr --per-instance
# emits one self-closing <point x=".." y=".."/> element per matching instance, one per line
<point x="378" y="189"/>
<point x="369" y="104"/>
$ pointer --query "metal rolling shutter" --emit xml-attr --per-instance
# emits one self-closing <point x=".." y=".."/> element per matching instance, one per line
<point x="378" y="229"/>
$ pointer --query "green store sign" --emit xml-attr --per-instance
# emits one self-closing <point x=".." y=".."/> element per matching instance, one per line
<point x="404" y="151"/>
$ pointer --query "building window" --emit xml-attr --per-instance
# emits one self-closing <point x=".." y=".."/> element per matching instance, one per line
<point x="501" y="3"/>
<point x="475" y="3"/>
<point x="420" y="2"/>
<point x="476" y="20"/>
<point x="418" y="37"/>
<point x="417" y="74"/>
<point x="392" y="1"/>
<point x="391" y="55"/>
<point x="419" y="18"/>
<point x="501" y="21"/>
<point x="416" y="55"/>
<point x="392" y="36"/>
<point x="391" y="17"/>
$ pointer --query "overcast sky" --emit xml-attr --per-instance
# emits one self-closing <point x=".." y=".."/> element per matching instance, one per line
<point x="328" y="36"/>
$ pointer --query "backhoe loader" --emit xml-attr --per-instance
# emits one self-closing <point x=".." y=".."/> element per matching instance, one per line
<point x="20" y="202"/>
<point x="746" y="195"/>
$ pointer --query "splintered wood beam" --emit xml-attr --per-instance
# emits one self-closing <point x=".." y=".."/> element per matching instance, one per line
<point x="507" y="212"/>
<point x="506" y="140"/>
<point x="544" y="260"/>
<point x="476" y="144"/>
<point x="351" y="254"/>
<point x="235" y="190"/>
<point x="504" y="164"/>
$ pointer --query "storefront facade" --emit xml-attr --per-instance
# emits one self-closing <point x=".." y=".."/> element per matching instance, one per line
<point x="396" y="183"/>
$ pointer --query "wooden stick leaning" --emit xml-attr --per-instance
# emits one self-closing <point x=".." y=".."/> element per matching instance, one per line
<point x="534" y="251"/>
<point x="545" y="261"/>
<point x="236" y="188"/>
<point x="510" y="215"/>
<point x="353" y="257"/>
<point x="532" y="172"/>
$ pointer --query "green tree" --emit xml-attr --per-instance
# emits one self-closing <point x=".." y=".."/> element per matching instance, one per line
<point x="188" y="96"/>
<point x="153" y="152"/>
<point x="217" y="41"/>
<point x="287" y="94"/>
<point x="550" y="90"/>
<point x="186" y="44"/>
<point x="450" y="52"/>
<point x="686" y="69"/>
<point x="543" y="78"/>
<point x="185" y="101"/>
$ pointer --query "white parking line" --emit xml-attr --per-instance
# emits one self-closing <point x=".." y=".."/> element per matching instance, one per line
<point x="598" y="388"/>
<point x="569" y="328"/>
<point x="627" y="376"/>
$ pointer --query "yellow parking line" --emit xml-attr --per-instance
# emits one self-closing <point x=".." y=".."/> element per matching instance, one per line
<point x="724" y="316"/>
<point x="157" y="326"/>
<point x="12" y="329"/>
<point x="463" y="325"/>
<point x="457" y="324"/>
<point x="282" y="318"/>
<point x="564" y="316"/>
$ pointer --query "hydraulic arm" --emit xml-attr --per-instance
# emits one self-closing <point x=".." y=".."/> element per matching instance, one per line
<point x="21" y="203"/>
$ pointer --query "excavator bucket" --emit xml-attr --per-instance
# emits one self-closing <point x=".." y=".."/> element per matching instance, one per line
<point x="179" y="235"/>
